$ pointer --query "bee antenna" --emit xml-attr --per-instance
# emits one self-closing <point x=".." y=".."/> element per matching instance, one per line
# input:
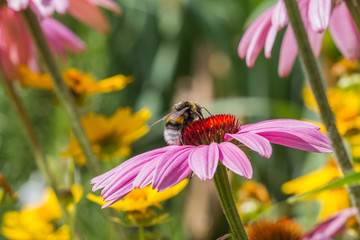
<point x="207" y="111"/>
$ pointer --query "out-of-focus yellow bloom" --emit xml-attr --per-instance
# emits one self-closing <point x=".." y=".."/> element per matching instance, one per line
<point x="35" y="221"/>
<point x="77" y="81"/>
<point x="252" y="199"/>
<point x="346" y="107"/>
<point x="330" y="200"/>
<point x="141" y="199"/>
<point x="110" y="137"/>
<point x="344" y="66"/>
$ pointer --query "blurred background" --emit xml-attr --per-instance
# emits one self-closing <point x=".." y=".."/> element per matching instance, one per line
<point x="175" y="50"/>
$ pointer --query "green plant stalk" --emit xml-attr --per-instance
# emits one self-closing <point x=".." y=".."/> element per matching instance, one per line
<point x="141" y="233"/>
<point x="317" y="84"/>
<point x="353" y="8"/>
<point x="61" y="91"/>
<point x="29" y="131"/>
<point x="228" y="204"/>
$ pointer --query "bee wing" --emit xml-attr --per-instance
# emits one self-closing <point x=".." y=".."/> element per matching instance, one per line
<point x="161" y="119"/>
<point x="175" y="114"/>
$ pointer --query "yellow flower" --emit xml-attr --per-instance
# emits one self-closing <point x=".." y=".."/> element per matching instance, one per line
<point x="78" y="82"/>
<point x="110" y="137"/>
<point x="35" y="221"/>
<point x="330" y="200"/>
<point x="141" y="199"/>
<point x="346" y="106"/>
<point x="344" y="66"/>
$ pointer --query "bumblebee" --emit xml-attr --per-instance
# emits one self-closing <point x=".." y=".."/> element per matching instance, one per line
<point x="184" y="113"/>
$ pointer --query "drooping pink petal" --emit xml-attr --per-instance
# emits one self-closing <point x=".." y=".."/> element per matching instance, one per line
<point x="249" y="34"/>
<point x="172" y="167"/>
<point x="344" y="32"/>
<point x="302" y="138"/>
<point x="258" y="40"/>
<point x="119" y="181"/>
<point x="17" y="5"/>
<point x="16" y="47"/>
<point x="204" y="160"/>
<point x="60" y="37"/>
<point x="235" y="159"/>
<point x="278" y="123"/>
<point x="254" y="142"/>
<point x="288" y="53"/>
<point x="315" y="40"/>
<point x="109" y="4"/>
<point x="332" y="226"/>
<point x="88" y="13"/>
<point x="269" y="42"/>
<point x="319" y="14"/>
<point x="279" y="17"/>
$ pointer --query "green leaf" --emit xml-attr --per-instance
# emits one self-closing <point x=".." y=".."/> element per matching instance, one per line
<point x="353" y="177"/>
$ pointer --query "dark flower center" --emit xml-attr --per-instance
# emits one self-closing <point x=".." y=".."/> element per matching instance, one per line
<point x="211" y="129"/>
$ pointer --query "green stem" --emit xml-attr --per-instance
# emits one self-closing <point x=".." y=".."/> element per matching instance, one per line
<point x="317" y="84"/>
<point x="62" y="92"/>
<point x="141" y="233"/>
<point x="228" y="204"/>
<point x="29" y="131"/>
<point x="354" y="12"/>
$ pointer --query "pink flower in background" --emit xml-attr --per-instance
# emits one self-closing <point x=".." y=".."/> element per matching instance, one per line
<point x="205" y="143"/>
<point x="61" y="38"/>
<point x="40" y="7"/>
<point x="331" y="227"/>
<point x="17" y="48"/>
<point x="86" y="11"/>
<point x="317" y="16"/>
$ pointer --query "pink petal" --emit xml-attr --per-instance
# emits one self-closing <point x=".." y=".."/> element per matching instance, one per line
<point x="17" y="5"/>
<point x="278" y="123"/>
<point x="319" y="14"/>
<point x="288" y="52"/>
<point x="145" y="175"/>
<point x="172" y="168"/>
<point x="269" y="43"/>
<point x="109" y="4"/>
<point x="89" y="14"/>
<point x="258" y="40"/>
<point x="279" y="17"/>
<point x="204" y="160"/>
<point x="249" y="34"/>
<point x="254" y="142"/>
<point x="332" y="226"/>
<point x="302" y="138"/>
<point x="344" y="32"/>
<point x="60" y="37"/>
<point x="235" y="159"/>
<point x="119" y="181"/>
<point x="47" y="8"/>
<point x="315" y="40"/>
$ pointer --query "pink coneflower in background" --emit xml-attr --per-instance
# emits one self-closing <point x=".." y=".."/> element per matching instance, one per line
<point x="16" y="45"/>
<point x="204" y="144"/>
<point x="331" y="227"/>
<point x="317" y="16"/>
<point x="86" y="11"/>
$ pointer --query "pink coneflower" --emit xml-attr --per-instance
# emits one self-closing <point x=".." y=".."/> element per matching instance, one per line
<point x="86" y="11"/>
<point x="16" y="45"/>
<point x="205" y="143"/>
<point x="331" y="227"/>
<point x="317" y="16"/>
